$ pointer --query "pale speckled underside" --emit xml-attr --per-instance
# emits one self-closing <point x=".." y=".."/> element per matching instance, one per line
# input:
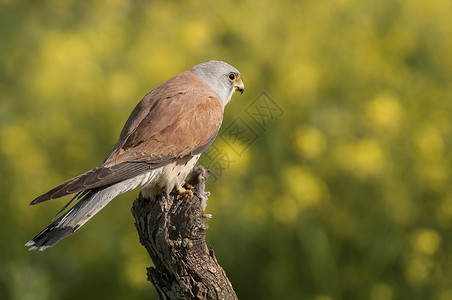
<point x="168" y="177"/>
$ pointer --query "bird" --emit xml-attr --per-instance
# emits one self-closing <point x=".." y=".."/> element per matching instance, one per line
<point x="158" y="146"/>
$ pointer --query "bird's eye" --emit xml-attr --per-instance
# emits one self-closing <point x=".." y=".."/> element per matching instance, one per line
<point x="232" y="76"/>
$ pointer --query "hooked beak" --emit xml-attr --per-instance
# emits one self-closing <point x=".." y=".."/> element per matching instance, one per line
<point x="238" y="86"/>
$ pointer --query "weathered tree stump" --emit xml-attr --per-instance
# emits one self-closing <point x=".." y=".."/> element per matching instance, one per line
<point x="173" y="230"/>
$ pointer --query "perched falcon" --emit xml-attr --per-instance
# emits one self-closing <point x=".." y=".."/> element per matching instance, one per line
<point x="158" y="146"/>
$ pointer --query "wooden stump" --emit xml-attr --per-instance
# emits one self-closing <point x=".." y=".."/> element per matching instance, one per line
<point x="173" y="230"/>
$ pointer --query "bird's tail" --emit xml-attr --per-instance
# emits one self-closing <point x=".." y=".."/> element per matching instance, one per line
<point x="79" y="214"/>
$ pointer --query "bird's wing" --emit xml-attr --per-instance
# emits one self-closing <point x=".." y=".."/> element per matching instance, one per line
<point x="100" y="176"/>
<point x="169" y="123"/>
<point x="174" y="128"/>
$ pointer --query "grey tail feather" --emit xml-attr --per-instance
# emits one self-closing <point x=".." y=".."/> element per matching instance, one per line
<point x="92" y="202"/>
<point x="75" y="198"/>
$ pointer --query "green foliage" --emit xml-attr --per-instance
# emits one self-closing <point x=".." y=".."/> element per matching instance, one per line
<point x="345" y="196"/>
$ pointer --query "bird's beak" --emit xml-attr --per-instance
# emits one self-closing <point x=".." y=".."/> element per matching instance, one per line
<point x="238" y="86"/>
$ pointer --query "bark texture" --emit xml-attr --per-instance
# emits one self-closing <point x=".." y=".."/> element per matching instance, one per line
<point x="173" y="230"/>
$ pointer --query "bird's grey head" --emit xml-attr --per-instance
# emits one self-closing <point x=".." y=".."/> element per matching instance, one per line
<point x="222" y="78"/>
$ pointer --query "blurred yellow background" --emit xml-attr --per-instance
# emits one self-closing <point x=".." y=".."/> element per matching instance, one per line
<point x="340" y="190"/>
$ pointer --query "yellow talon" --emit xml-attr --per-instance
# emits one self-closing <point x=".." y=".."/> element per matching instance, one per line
<point x="184" y="192"/>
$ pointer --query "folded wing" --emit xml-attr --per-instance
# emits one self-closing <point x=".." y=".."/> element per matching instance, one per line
<point x="167" y="124"/>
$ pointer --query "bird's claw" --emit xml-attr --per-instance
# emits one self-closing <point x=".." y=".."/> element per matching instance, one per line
<point x="185" y="191"/>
